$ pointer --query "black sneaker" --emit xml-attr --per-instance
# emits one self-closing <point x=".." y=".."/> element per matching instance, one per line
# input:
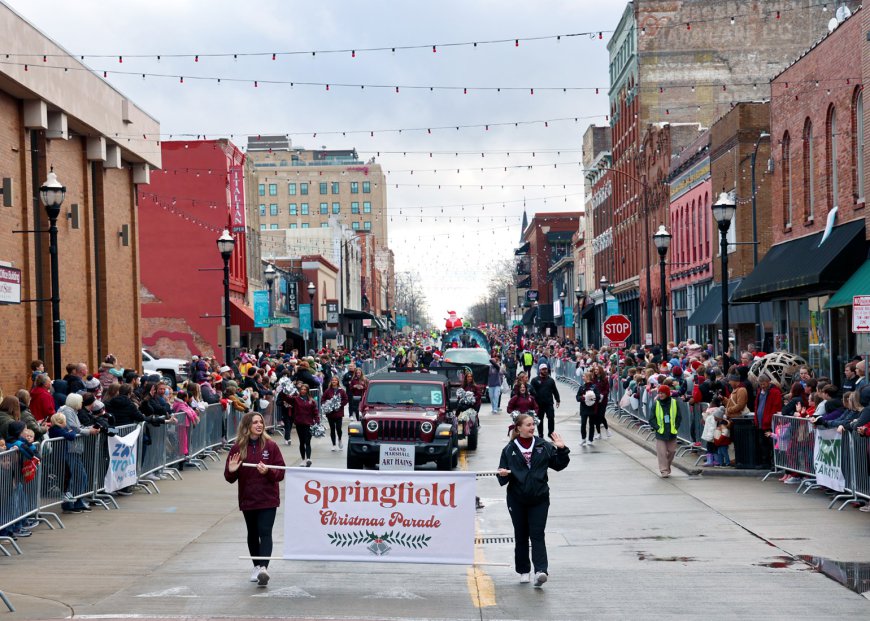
<point x="73" y="510"/>
<point x="86" y="508"/>
<point x="22" y="533"/>
<point x="123" y="492"/>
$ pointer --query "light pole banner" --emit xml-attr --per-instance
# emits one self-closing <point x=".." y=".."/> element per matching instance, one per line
<point x="122" y="461"/>
<point x="828" y="459"/>
<point x="390" y="517"/>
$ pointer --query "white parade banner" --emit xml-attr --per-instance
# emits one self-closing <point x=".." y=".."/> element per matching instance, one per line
<point x="122" y="461"/>
<point x="397" y="517"/>
<point x="827" y="459"/>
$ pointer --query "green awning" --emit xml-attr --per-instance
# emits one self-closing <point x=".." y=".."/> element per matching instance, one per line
<point x="858" y="284"/>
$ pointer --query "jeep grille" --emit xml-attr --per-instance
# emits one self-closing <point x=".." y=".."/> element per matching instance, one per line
<point x="400" y="430"/>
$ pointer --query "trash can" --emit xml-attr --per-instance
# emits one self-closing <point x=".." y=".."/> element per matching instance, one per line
<point x="745" y="445"/>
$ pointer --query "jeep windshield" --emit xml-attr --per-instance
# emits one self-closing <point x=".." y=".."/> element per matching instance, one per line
<point x="405" y="393"/>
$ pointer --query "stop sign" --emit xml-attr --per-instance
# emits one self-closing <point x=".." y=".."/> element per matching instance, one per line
<point x="617" y="328"/>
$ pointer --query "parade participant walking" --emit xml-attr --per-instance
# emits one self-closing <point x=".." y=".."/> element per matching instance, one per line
<point x="355" y="391"/>
<point x="523" y="468"/>
<point x="334" y="395"/>
<point x="259" y="494"/>
<point x="588" y="397"/>
<point x="493" y="383"/>
<point x="304" y="415"/>
<point x="528" y="361"/>
<point x="546" y="394"/>
<point x="665" y="420"/>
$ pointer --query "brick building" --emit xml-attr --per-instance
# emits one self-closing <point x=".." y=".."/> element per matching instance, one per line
<point x="184" y="209"/>
<point x="683" y="61"/>
<point x="818" y="208"/>
<point x="689" y="258"/>
<point x="92" y="136"/>
<point x="546" y="241"/>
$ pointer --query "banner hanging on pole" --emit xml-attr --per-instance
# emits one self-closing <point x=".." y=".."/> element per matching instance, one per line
<point x="122" y="461"/>
<point x="827" y="459"/>
<point x="391" y="517"/>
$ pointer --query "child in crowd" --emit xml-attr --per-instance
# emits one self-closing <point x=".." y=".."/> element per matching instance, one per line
<point x="714" y="413"/>
<point x="722" y="440"/>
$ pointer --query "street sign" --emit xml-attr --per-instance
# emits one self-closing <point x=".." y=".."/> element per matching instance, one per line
<point x="10" y="285"/>
<point x="617" y="329"/>
<point x="319" y="333"/>
<point x="532" y="295"/>
<point x="62" y="331"/>
<point x="861" y="313"/>
<point x="305" y="336"/>
<point x="648" y="338"/>
<point x="261" y="308"/>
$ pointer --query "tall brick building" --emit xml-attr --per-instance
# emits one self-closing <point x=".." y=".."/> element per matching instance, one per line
<point x="92" y="136"/>
<point x="683" y="61"/>
<point x="819" y="217"/>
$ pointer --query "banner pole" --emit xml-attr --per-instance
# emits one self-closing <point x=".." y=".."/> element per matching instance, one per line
<point x="486" y="473"/>
<point x="281" y="558"/>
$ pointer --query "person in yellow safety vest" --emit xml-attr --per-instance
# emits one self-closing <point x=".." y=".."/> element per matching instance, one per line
<point x="665" y="420"/>
<point x="528" y="361"/>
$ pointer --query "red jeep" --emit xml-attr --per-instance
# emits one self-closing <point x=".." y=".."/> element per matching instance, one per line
<point x="400" y="408"/>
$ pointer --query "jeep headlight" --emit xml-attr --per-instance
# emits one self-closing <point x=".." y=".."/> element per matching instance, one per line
<point x="372" y="426"/>
<point x="426" y="427"/>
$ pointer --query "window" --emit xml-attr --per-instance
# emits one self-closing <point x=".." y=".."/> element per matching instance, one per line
<point x="367" y="207"/>
<point x="858" y="147"/>
<point x="324" y="225"/>
<point x="809" y="172"/>
<point x="273" y="209"/>
<point x="262" y="210"/>
<point x="355" y="226"/>
<point x="336" y="208"/>
<point x="367" y="187"/>
<point x="305" y="225"/>
<point x="354" y="187"/>
<point x="293" y="209"/>
<point x="261" y="189"/>
<point x="367" y="225"/>
<point x="303" y="189"/>
<point x="335" y="187"/>
<point x="831" y="148"/>
<point x="273" y="227"/>
<point x="262" y="227"/>
<point x="293" y="225"/>
<point x="304" y="209"/>
<point x="786" y="180"/>
<point x="323" y="187"/>
<point x="354" y="208"/>
<point x="273" y="189"/>
<point x="324" y="209"/>
<point x="291" y="189"/>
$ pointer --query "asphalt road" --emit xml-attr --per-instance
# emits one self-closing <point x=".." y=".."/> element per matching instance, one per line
<point x="623" y="544"/>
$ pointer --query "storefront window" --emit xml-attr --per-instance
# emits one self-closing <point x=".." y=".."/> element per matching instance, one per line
<point x="819" y="336"/>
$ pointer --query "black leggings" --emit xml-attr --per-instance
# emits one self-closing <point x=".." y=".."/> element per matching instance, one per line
<point x="259" y="523"/>
<point x="353" y="407"/>
<point x="530" y="521"/>
<point x="600" y="419"/>
<point x="304" y="433"/>
<point x="287" y="419"/>
<point x="546" y="415"/>
<point x="334" y="429"/>
<point x="587" y="420"/>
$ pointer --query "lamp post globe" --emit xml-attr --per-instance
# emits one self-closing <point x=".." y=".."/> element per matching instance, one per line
<point x="52" y="193"/>
<point x="225" y="244"/>
<point x="269" y="274"/>
<point x="311" y="289"/>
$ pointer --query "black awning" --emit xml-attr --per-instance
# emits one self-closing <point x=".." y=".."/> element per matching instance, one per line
<point x="588" y="310"/>
<point x="524" y="249"/>
<point x="801" y="266"/>
<point x="356" y="314"/>
<point x="709" y="311"/>
<point x="545" y="313"/>
<point x="560" y="236"/>
<point x="529" y="316"/>
<point x="524" y="283"/>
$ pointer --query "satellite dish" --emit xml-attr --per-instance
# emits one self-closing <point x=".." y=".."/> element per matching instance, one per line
<point x="832" y="25"/>
<point x="843" y="13"/>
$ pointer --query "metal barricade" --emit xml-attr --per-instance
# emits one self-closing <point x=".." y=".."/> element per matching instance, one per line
<point x="269" y="413"/>
<point x="64" y="477"/>
<point x="793" y="444"/>
<point x="153" y="448"/>
<point x="861" y="462"/>
<point x="233" y="419"/>
<point x="12" y="506"/>
<point x="101" y="466"/>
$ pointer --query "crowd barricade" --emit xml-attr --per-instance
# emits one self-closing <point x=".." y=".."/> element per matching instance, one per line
<point x="861" y="461"/>
<point x="269" y="413"/>
<point x="793" y="445"/>
<point x="12" y="505"/>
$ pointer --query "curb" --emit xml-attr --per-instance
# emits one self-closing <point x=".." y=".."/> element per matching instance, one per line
<point x="691" y="469"/>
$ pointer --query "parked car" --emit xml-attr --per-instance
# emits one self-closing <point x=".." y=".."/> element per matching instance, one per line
<point x="404" y="408"/>
<point x="174" y="369"/>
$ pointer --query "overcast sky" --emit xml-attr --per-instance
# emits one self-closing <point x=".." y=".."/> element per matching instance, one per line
<point x="450" y="257"/>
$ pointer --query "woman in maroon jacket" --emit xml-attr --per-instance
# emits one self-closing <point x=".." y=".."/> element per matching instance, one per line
<point x="768" y="401"/>
<point x="336" y="416"/>
<point x="41" y="401"/>
<point x="602" y="383"/>
<point x="356" y="389"/>
<point x="469" y="385"/>
<point x="259" y="494"/>
<point x="522" y="402"/>
<point x="304" y="414"/>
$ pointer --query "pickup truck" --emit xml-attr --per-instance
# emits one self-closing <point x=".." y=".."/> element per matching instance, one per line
<point x="174" y="369"/>
<point x="404" y="408"/>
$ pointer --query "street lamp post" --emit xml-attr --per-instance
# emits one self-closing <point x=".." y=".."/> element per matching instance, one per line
<point x="52" y="193"/>
<point x="759" y="330"/>
<point x="311" y="289"/>
<point x="723" y="212"/>
<point x="225" y="244"/>
<point x="269" y="275"/>
<point x="603" y="284"/>
<point x="662" y="240"/>
<point x="562" y="297"/>
<point x="578" y="295"/>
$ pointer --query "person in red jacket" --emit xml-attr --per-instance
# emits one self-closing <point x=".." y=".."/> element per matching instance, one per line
<point x="41" y="401"/>
<point x="259" y="494"/>
<point x="305" y="415"/>
<point x="335" y="416"/>
<point x="768" y="402"/>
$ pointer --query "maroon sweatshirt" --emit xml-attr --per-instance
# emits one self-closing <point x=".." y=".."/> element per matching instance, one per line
<point x="304" y="411"/>
<point x="257" y="491"/>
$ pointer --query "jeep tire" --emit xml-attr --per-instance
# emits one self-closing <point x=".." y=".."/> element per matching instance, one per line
<point x="355" y="463"/>
<point x="472" y="438"/>
<point x="449" y="460"/>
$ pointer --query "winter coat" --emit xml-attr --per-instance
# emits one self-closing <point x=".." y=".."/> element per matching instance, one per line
<point x="525" y="403"/>
<point x="188" y="415"/>
<point x="772" y="405"/>
<point x="588" y="410"/>
<point x="304" y="410"/>
<point x="257" y="491"/>
<point x="528" y="483"/>
<point x="329" y="394"/>
<point x="545" y="390"/>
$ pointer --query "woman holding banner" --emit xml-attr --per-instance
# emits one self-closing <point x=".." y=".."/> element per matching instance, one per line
<point x="259" y="494"/>
<point x="523" y="468"/>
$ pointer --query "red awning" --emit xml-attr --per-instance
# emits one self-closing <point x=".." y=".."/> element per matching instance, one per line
<point x="242" y="316"/>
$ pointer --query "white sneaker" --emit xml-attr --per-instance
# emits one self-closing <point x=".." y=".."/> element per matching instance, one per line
<point x="524" y="578"/>
<point x="609" y="434"/>
<point x="341" y="444"/>
<point x="287" y="442"/>
<point x="307" y="463"/>
<point x="263" y="577"/>
<point x="591" y="442"/>
<point x="334" y="448"/>
<point x="583" y="443"/>
<point x="540" y="579"/>
<point x="255" y="573"/>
